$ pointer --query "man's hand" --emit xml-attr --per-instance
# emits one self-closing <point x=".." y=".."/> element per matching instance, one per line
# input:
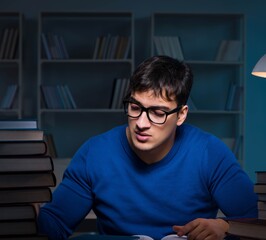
<point x="203" y="229"/>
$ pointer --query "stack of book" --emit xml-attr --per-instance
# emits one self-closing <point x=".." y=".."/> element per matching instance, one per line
<point x="26" y="175"/>
<point x="260" y="189"/>
<point x="253" y="228"/>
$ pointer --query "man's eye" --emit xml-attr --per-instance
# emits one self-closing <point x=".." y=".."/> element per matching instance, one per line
<point x="134" y="107"/>
<point x="158" y="113"/>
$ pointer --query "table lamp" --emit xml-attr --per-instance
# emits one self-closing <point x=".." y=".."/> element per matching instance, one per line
<point x="260" y="68"/>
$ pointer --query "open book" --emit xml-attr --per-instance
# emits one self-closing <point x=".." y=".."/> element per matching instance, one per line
<point x="168" y="237"/>
<point x="134" y="237"/>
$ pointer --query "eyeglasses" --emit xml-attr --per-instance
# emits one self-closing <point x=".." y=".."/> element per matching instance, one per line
<point x="155" y="114"/>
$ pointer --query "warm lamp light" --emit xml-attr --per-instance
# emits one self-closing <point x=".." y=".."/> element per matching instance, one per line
<point x="260" y="68"/>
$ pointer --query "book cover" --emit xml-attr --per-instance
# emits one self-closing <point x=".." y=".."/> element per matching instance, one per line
<point x="21" y="135"/>
<point x="27" y="180"/>
<point x="26" y="164"/>
<point x="17" y="212"/>
<point x="253" y="228"/>
<point x="25" y="195"/>
<point x="15" y="148"/>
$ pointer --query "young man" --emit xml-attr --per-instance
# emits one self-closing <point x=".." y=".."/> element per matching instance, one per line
<point x="156" y="175"/>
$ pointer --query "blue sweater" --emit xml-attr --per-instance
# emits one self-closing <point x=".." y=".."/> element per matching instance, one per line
<point x="196" y="178"/>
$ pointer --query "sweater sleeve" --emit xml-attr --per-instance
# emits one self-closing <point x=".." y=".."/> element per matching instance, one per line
<point x="71" y="201"/>
<point x="230" y="186"/>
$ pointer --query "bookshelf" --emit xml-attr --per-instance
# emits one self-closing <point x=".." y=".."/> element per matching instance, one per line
<point x="90" y="77"/>
<point x="216" y="69"/>
<point x="11" y="88"/>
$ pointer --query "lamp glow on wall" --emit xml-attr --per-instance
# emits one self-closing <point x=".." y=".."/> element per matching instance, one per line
<point x="260" y="68"/>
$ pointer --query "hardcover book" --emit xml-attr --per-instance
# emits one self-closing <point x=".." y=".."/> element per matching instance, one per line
<point x="18" y="227"/>
<point x="252" y="228"/>
<point x="21" y="135"/>
<point x="15" y="148"/>
<point x="26" y="164"/>
<point x="25" y="195"/>
<point x="17" y="212"/>
<point x="26" y="180"/>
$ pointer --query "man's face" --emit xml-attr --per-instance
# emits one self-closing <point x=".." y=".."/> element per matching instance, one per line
<point x="151" y="141"/>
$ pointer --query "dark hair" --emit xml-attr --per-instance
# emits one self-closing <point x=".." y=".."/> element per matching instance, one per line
<point x="166" y="77"/>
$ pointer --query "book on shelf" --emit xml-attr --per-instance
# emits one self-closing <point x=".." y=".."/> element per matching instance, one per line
<point x="12" y="164"/>
<point x="25" y="195"/>
<point x="16" y="148"/>
<point x="112" y="47"/>
<point x="58" y="97"/>
<point x="45" y="45"/>
<point x="9" y="97"/>
<point x="21" y="135"/>
<point x="27" y="180"/>
<point x="54" y="46"/>
<point x="169" y="45"/>
<point x="8" y="44"/>
<point x="13" y="45"/>
<point x="120" y="86"/>
<point x="17" y="212"/>
<point x="229" y="50"/>
<point x="3" y="42"/>
<point x="249" y="228"/>
<point x="18" y="227"/>
<point x="19" y="124"/>
<point x="234" y="97"/>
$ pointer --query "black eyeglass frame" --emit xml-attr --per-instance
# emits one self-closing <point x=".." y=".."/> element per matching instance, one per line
<point x="144" y="109"/>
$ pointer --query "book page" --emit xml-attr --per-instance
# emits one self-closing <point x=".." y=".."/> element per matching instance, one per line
<point x="168" y="237"/>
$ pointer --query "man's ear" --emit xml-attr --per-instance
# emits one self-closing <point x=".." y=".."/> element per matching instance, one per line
<point x="182" y="115"/>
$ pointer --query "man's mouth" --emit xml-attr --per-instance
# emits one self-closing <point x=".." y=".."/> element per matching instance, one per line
<point x="142" y="137"/>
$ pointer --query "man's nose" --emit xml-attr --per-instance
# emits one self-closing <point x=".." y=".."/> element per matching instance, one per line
<point x="143" y="120"/>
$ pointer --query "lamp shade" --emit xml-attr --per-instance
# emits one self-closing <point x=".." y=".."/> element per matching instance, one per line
<point x="260" y="68"/>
